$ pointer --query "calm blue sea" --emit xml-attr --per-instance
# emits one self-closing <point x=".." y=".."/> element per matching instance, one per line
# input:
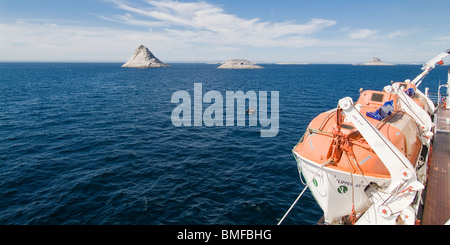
<point x="93" y="143"/>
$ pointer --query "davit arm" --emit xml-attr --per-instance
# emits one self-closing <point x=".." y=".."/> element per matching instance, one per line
<point x="397" y="197"/>
<point x="427" y="67"/>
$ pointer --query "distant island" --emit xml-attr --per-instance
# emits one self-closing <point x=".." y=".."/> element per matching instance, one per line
<point x="143" y="58"/>
<point x="239" y="64"/>
<point x="376" y="62"/>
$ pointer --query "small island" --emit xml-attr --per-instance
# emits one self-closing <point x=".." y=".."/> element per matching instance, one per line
<point x="143" y="58"/>
<point x="239" y="64"/>
<point x="376" y="62"/>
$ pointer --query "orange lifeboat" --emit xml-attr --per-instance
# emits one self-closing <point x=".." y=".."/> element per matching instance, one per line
<point x="349" y="163"/>
<point x="330" y="138"/>
<point x="411" y="90"/>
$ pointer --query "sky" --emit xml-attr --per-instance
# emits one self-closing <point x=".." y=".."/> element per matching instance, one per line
<point x="320" y="31"/>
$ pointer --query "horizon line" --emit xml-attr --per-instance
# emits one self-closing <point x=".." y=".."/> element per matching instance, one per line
<point x="212" y="62"/>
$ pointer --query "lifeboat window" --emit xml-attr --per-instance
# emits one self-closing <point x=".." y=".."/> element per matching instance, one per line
<point x="377" y="97"/>
<point x="348" y="126"/>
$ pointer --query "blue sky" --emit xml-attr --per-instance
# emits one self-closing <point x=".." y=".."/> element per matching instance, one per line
<point x="321" y="31"/>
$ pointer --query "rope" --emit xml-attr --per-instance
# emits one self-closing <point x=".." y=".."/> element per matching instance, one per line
<point x="293" y="150"/>
<point x="353" y="215"/>
<point x="300" y="168"/>
<point x="304" y="189"/>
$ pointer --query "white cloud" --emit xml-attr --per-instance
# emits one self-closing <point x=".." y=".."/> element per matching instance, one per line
<point x="46" y="42"/>
<point x="441" y="39"/>
<point x="202" y="22"/>
<point x="129" y="19"/>
<point x="362" y="33"/>
<point x="180" y="30"/>
<point x="396" y="34"/>
<point x="191" y="31"/>
<point x="403" y="33"/>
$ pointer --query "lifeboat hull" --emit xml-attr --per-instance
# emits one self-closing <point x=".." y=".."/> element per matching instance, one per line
<point x="338" y="193"/>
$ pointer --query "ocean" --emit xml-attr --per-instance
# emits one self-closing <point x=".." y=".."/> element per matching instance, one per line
<point x="94" y="143"/>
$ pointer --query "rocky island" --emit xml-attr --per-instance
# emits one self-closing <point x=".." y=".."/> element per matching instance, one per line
<point x="239" y="64"/>
<point x="143" y="58"/>
<point x="376" y="62"/>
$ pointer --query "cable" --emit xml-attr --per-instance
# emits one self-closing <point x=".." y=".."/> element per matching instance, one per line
<point x="304" y="189"/>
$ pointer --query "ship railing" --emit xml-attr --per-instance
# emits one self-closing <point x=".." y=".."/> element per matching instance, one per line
<point x="438" y="98"/>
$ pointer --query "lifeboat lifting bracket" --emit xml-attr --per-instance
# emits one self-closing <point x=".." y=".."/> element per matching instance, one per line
<point x="419" y="115"/>
<point x="390" y="204"/>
